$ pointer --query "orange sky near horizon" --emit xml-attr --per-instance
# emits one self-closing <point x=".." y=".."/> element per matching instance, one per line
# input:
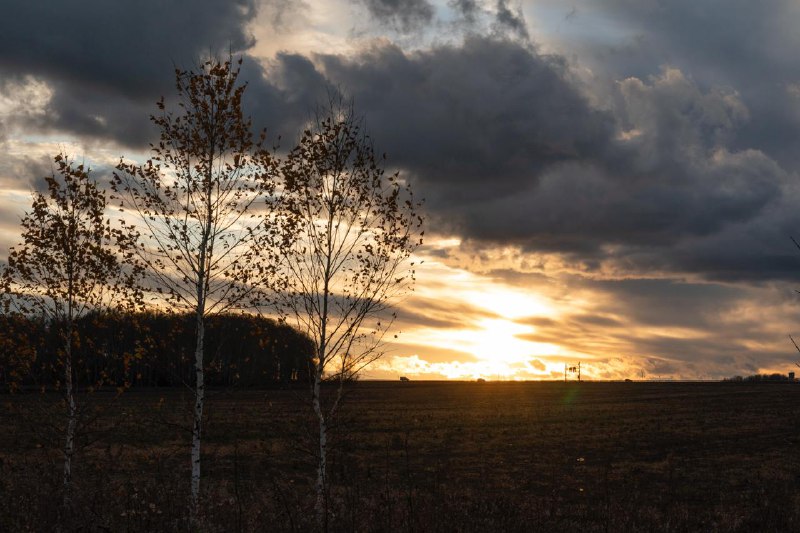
<point x="610" y="183"/>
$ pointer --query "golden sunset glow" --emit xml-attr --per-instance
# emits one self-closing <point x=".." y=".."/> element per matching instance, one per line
<point x="489" y="329"/>
<point x="495" y="343"/>
<point x="629" y="214"/>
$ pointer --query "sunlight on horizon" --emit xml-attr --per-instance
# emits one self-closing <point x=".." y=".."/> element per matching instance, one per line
<point x="489" y="328"/>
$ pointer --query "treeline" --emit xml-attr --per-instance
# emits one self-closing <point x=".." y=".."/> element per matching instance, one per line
<point x="151" y="350"/>
<point x="760" y="378"/>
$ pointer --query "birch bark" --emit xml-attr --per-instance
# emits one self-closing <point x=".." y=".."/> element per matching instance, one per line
<point x="72" y="419"/>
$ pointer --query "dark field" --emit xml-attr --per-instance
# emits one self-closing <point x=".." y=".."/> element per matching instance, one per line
<point x="425" y="456"/>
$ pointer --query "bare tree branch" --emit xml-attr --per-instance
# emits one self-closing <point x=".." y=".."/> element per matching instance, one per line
<point x="352" y="230"/>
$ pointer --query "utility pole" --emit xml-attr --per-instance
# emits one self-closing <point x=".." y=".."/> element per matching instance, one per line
<point x="572" y="370"/>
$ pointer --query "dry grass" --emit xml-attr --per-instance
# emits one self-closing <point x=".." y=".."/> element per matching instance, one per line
<point x="426" y="457"/>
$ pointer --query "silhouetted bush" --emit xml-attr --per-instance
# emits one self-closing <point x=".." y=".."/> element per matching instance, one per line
<point x="759" y="378"/>
<point x="153" y="349"/>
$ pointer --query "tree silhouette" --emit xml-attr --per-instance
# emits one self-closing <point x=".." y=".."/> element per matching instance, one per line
<point x="205" y="251"/>
<point x="67" y="266"/>
<point x="352" y="230"/>
<point x="17" y="350"/>
<point x="152" y="349"/>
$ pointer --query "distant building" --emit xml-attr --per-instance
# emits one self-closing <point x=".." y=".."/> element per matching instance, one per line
<point x="403" y="378"/>
<point x="791" y="376"/>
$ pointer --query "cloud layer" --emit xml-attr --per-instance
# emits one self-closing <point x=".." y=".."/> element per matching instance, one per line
<point x="107" y="62"/>
<point x="645" y="149"/>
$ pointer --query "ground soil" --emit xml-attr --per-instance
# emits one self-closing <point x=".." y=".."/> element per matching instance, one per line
<point x="421" y="456"/>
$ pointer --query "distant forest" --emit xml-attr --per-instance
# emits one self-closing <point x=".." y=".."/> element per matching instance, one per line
<point x="152" y="350"/>
<point x="762" y="378"/>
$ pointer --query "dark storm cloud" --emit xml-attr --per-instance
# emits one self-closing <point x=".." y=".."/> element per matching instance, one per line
<point x="109" y="61"/>
<point x="284" y="96"/>
<point x="758" y="251"/>
<point x="478" y="119"/>
<point x="502" y="140"/>
<point x="734" y="39"/>
<point x="503" y="17"/>
<point x="90" y="111"/>
<point x="468" y="9"/>
<point x="508" y="150"/>
<point x="748" y="45"/>
<point x="667" y="303"/>
<point x="668" y="177"/>
<point x="402" y="15"/>
<point x="582" y="208"/>
<point x="670" y="193"/>
<point x="25" y="172"/>
<point x="510" y="17"/>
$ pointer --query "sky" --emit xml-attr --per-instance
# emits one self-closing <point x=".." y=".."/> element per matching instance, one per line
<point x="611" y="182"/>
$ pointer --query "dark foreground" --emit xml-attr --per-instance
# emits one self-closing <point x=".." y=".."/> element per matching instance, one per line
<point x="424" y="457"/>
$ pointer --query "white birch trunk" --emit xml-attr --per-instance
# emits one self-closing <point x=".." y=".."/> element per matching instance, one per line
<point x="321" y="507"/>
<point x="199" y="387"/>
<point x="322" y="481"/>
<point x="72" y="420"/>
<point x="198" y="422"/>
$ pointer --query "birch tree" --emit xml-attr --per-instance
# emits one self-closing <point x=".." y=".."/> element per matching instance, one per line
<point x="68" y="265"/>
<point x="205" y="250"/>
<point x="352" y="229"/>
